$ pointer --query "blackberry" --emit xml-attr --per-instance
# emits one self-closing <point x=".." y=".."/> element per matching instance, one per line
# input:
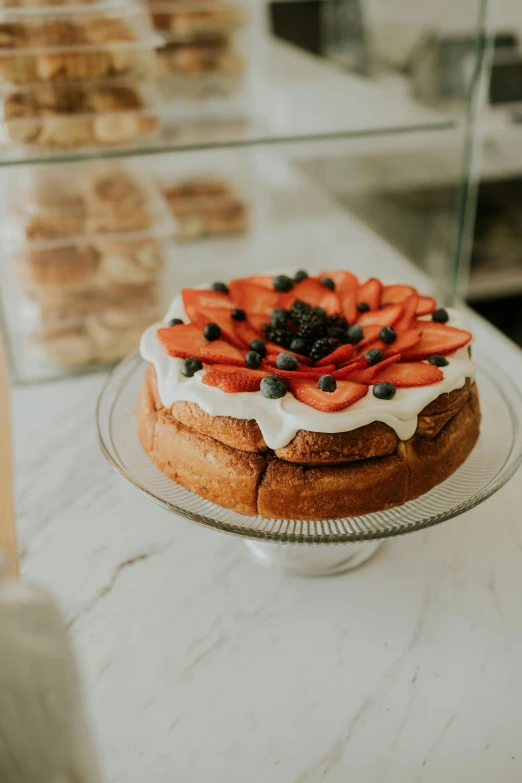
<point x="337" y="321"/>
<point x="323" y="347"/>
<point x="278" y="318"/>
<point x="312" y="325"/>
<point x="338" y="334"/>
<point x="320" y="311"/>
<point x="280" y="336"/>
<point x="298" y="310"/>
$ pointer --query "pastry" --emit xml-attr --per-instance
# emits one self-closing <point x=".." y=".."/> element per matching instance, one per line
<point x="206" y="206"/>
<point x="215" y="19"/>
<point x="199" y="57"/>
<point x="308" y="397"/>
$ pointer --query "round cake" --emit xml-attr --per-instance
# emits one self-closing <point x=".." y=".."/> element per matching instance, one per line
<point x="308" y="397"/>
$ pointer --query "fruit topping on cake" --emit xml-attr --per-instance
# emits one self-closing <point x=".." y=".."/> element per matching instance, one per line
<point x="324" y="339"/>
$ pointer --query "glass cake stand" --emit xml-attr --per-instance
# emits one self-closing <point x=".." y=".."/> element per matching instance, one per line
<point x="282" y="543"/>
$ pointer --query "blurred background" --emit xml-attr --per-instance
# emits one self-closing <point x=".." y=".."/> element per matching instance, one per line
<point x="149" y="145"/>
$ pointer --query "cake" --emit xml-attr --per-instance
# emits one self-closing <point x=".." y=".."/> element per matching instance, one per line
<point x="308" y="397"/>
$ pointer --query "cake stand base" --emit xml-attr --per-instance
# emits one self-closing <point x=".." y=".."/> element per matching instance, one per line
<point x="312" y="560"/>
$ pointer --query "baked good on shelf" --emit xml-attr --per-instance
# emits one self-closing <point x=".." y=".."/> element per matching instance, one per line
<point x="204" y="20"/>
<point x="308" y="397"/>
<point x="71" y="116"/>
<point x="206" y="206"/>
<point x="199" y="57"/>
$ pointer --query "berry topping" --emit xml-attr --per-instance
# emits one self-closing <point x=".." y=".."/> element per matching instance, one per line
<point x="388" y="335"/>
<point x="190" y="366"/>
<point x="285" y="361"/>
<point x="298" y="310"/>
<point x="438" y="361"/>
<point x="320" y="311"/>
<point x="258" y="346"/>
<point x="221" y="287"/>
<point x="221" y="352"/>
<point x="374" y="356"/>
<point x="253" y="298"/>
<point x="367" y="374"/>
<point x="338" y="322"/>
<point x="440" y="316"/>
<point x="327" y="384"/>
<point x="281" y="337"/>
<point x="283" y="283"/>
<point x="436" y="339"/>
<point x="386" y="316"/>
<point x="298" y="345"/>
<point x="345" y="395"/>
<point x="252" y="360"/>
<point x="355" y="334"/>
<point x="212" y="332"/>
<point x="323" y="347"/>
<point x="273" y="387"/>
<point x="182" y="341"/>
<point x="344" y="281"/>
<point x="410" y="374"/>
<point x="341" y="355"/>
<point x="328" y="283"/>
<point x="238" y="315"/>
<point x="395" y="294"/>
<point x="370" y="292"/>
<point x="279" y="318"/>
<point x="425" y="305"/>
<point x="233" y="379"/>
<point x="175" y="322"/>
<point x="300" y="276"/>
<point x="363" y="307"/>
<point x="384" y="391"/>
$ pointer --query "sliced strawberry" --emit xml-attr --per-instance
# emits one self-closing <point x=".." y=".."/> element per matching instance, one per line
<point x="385" y="316"/>
<point x="345" y="395"/>
<point x="194" y="299"/>
<point x="410" y="374"/>
<point x="183" y="340"/>
<point x="370" y="292"/>
<point x="368" y="374"/>
<point x="395" y="294"/>
<point x="409" y="309"/>
<point x="405" y="341"/>
<point x="258" y="320"/>
<point x="339" y="356"/>
<point x="233" y="379"/>
<point x="436" y="339"/>
<point x="348" y="302"/>
<point x="344" y="281"/>
<point x="219" y="316"/>
<point x="253" y="298"/>
<point x="370" y="334"/>
<point x="245" y="332"/>
<point x="301" y="372"/>
<point x="425" y="305"/>
<point x="350" y="369"/>
<point x="221" y="352"/>
<point x="313" y="292"/>
<point x="264" y="281"/>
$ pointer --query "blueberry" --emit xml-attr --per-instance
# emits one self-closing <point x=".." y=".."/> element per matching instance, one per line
<point x="327" y="383"/>
<point x="363" y="307"/>
<point x="438" y="361"/>
<point x="283" y="283"/>
<point x="258" y="346"/>
<point x="285" y="361"/>
<point x="273" y="387"/>
<point x="252" y="360"/>
<point x="441" y="316"/>
<point x="175" y="322"/>
<point x="221" y="287"/>
<point x="384" y="390"/>
<point x="298" y="346"/>
<point x="238" y="315"/>
<point x="278" y="318"/>
<point x="328" y="282"/>
<point x="374" y="356"/>
<point x="212" y="332"/>
<point x="300" y="276"/>
<point x="320" y="311"/>
<point x="190" y="366"/>
<point x="354" y="334"/>
<point x="388" y="335"/>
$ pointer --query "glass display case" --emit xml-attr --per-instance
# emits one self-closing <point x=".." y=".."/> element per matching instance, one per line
<point x="146" y="146"/>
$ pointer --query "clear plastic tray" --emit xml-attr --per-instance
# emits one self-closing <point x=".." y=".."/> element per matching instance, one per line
<point x="181" y="20"/>
<point x="81" y="115"/>
<point x="49" y="207"/>
<point x="76" y="44"/>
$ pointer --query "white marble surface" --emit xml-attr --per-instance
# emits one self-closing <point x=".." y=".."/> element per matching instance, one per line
<point x="202" y="666"/>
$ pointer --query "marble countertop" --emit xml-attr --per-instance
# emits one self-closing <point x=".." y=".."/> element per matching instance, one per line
<point x="200" y="665"/>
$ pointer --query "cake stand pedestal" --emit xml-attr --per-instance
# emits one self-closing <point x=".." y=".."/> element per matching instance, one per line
<point x="331" y="546"/>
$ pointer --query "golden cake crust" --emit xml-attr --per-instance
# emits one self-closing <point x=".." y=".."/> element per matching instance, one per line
<point x="316" y="475"/>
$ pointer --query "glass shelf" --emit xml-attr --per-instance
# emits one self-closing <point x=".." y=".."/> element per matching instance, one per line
<point x="286" y="84"/>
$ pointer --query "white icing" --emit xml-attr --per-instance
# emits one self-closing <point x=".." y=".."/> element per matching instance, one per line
<point x="280" y="420"/>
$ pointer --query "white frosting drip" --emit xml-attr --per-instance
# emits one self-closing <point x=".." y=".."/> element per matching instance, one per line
<point x="280" y="420"/>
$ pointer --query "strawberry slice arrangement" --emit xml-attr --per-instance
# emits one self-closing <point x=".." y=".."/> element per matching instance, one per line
<point x="327" y="339"/>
